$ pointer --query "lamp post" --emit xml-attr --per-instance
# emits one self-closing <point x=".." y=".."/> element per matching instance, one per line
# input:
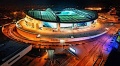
<point x="39" y="46"/>
<point x="38" y="36"/>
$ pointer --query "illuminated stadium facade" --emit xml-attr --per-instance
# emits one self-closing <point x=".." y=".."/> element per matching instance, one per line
<point x="47" y="26"/>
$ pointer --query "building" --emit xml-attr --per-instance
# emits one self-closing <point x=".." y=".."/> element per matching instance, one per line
<point x="40" y="27"/>
<point x="11" y="51"/>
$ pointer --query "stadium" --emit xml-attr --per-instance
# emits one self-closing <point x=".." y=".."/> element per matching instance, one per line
<point x="48" y="26"/>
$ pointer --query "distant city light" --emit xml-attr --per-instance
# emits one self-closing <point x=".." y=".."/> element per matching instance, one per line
<point x="94" y="8"/>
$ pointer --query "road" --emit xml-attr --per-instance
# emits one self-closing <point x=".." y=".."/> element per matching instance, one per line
<point x="88" y="51"/>
<point x="91" y="50"/>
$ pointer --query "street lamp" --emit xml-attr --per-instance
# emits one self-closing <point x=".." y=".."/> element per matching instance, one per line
<point x="39" y="46"/>
<point x="38" y="36"/>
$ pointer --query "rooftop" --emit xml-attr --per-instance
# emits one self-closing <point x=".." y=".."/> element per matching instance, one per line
<point x="10" y="48"/>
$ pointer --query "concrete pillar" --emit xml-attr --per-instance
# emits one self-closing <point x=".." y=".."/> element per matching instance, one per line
<point x="40" y="24"/>
<point x="37" y="26"/>
<point x="58" y="26"/>
<point x="32" y="25"/>
<point x="73" y="25"/>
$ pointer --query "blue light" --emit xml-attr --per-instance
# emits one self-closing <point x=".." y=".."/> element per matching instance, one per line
<point x="50" y="25"/>
<point x="67" y="13"/>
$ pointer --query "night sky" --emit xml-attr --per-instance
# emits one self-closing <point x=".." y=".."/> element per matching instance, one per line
<point x="59" y="3"/>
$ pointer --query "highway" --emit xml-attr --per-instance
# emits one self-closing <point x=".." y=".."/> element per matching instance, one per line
<point x="92" y="52"/>
<point x="96" y="49"/>
<point x="88" y="51"/>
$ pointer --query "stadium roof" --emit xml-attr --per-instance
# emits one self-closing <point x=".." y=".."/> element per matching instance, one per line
<point x="67" y="15"/>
